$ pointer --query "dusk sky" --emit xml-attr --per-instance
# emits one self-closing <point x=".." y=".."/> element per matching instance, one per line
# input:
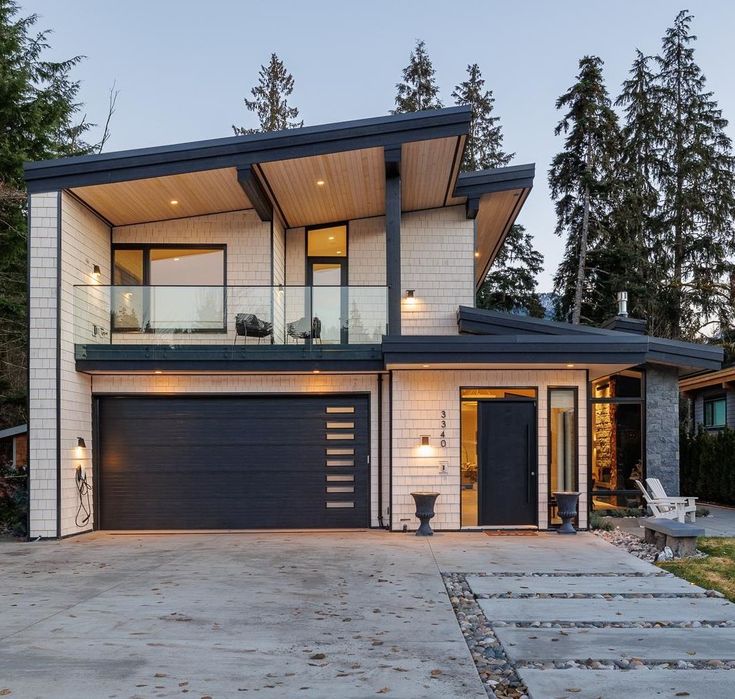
<point x="183" y="67"/>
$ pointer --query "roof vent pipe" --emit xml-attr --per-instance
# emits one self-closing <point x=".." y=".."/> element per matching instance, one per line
<point x="623" y="304"/>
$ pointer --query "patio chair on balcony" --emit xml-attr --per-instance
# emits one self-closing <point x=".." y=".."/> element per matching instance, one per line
<point x="249" y="325"/>
<point x="302" y="330"/>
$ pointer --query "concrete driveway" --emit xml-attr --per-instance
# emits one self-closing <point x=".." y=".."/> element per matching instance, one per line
<point x="275" y="615"/>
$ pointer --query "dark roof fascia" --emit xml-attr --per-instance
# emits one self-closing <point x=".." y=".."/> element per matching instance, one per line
<point x="171" y="358"/>
<point x="501" y="179"/>
<point x="480" y="321"/>
<point x="617" y="348"/>
<point x="13" y="431"/>
<point x="240" y="151"/>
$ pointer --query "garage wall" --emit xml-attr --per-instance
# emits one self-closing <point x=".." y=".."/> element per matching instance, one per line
<point x="42" y="425"/>
<point x="261" y="383"/>
<point x="418" y="399"/>
<point x="85" y="243"/>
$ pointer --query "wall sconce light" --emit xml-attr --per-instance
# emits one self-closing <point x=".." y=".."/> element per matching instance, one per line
<point x="96" y="272"/>
<point x="424" y="440"/>
<point x="81" y="443"/>
<point x="411" y="296"/>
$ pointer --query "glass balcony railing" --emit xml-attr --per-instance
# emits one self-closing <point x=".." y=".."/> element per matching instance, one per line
<point x="209" y="315"/>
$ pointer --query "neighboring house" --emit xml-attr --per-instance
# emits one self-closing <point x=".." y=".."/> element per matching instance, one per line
<point x="711" y="399"/>
<point x="14" y="445"/>
<point x="278" y="330"/>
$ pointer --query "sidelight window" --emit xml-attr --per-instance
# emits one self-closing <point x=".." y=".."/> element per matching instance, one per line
<point x="563" y="446"/>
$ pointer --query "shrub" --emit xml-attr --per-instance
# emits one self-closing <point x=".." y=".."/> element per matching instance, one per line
<point x="13" y="500"/>
<point x="707" y="465"/>
<point x="599" y="522"/>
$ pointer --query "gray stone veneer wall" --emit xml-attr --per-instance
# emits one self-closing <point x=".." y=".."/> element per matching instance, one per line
<point x="662" y="426"/>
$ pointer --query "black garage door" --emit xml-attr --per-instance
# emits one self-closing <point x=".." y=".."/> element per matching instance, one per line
<point x="233" y="462"/>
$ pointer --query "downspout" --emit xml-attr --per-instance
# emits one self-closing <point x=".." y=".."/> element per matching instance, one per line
<point x="381" y="524"/>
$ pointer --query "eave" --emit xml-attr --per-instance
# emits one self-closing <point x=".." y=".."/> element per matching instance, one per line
<point x="241" y="151"/>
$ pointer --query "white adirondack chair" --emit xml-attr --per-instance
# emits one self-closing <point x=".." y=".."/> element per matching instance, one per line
<point x="658" y="492"/>
<point x="664" y="508"/>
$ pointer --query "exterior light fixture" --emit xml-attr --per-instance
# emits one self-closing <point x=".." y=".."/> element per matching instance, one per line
<point x="320" y="183"/>
<point x="570" y="366"/>
<point x="158" y="372"/>
<point x="424" y="440"/>
<point x="174" y="202"/>
<point x="477" y="253"/>
<point x="316" y="371"/>
<point x="411" y="296"/>
<point x="425" y="366"/>
<point x="80" y="443"/>
<point x="96" y="272"/>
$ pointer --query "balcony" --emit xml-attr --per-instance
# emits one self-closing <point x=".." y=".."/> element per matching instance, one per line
<point x="199" y="323"/>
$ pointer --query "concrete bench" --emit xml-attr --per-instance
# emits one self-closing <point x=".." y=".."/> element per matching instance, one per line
<point x="679" y="537"/>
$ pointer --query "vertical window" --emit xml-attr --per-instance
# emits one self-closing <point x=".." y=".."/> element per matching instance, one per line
<point x="617" y="440"/>
<point x="715" y="412"/>
<point x="562" y="443"/>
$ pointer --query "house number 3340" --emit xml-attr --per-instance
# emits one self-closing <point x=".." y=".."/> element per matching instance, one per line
<point x="443" y="433"/>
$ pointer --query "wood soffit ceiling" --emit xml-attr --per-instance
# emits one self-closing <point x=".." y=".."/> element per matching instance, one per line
<point x="312" y="190"/>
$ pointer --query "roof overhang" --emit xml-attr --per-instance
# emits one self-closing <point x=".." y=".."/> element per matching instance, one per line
<point x="493" y="198"/>
<point x="724" y="378"/>
<point x="552" y="350"/>
<point x="307" y="176"/>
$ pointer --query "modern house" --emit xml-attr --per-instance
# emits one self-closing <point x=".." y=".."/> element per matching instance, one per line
<point x="711" y="399"/>
<point x="279" y="331"/>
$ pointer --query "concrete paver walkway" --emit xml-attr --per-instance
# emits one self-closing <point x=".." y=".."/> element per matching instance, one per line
<point x="608" y="629"/>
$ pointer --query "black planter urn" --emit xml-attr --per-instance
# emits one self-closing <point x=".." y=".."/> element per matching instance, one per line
<point x="424" y="511"/>
<point x="567" y="502"/>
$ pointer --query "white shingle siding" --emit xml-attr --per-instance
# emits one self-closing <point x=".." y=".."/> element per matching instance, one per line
<point x="418" y="399"/>
<point x="437" y="261"/>
<point x="262" y="383"/>
<point x="85" y="243"/>
<point x="42" y="363"/>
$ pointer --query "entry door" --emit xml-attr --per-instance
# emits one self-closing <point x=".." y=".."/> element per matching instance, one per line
<point x="507" y="462"/>
<point x="327" y="278"/>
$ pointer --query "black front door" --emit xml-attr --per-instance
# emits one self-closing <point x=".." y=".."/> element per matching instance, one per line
<point x="506" y="446"/>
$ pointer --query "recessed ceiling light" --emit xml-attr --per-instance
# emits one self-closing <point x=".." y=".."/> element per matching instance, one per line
<point x="320" y="183"/>
<point x="316" y="371"/>
<point x="176" y="259"/>
<point x="570" y="366"/>
<point x="158" y="372"/>
<point x="174" y="202"/>
<point x="426" y="366"/>
<point x="339" y="252"/>
<point x="331" y="237"/>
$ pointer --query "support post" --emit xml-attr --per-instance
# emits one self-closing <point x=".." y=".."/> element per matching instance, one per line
<point x="393" y="236"/>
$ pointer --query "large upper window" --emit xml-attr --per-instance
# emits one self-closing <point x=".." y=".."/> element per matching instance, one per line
<point x="168" y="288"/>
<point x="715" y="412"/>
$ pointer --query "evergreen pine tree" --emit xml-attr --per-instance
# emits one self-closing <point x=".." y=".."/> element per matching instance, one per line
<point x="39" y="119"/>
<point x="511" y="284"/>
<point x="419" y="90"/>
<point x="697" y="191"/>
<point x="484" y="147"/>
<point x="630" y="263"/>
<point x="580" y="179"/>
<point x="270" y="100"/>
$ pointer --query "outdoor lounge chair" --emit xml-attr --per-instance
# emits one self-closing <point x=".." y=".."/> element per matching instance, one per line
<point x="249" y="325"/>
<point x="301" y="330"/>
<point x="658" y="492"/>
<point x="671" y="508"/>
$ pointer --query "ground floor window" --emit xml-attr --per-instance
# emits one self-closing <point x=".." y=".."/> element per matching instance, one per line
<point x="562" y="422"/>
<point x="617" y="440"/>
<point x="715" y="412"/>
<point x="469" y="439"/>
